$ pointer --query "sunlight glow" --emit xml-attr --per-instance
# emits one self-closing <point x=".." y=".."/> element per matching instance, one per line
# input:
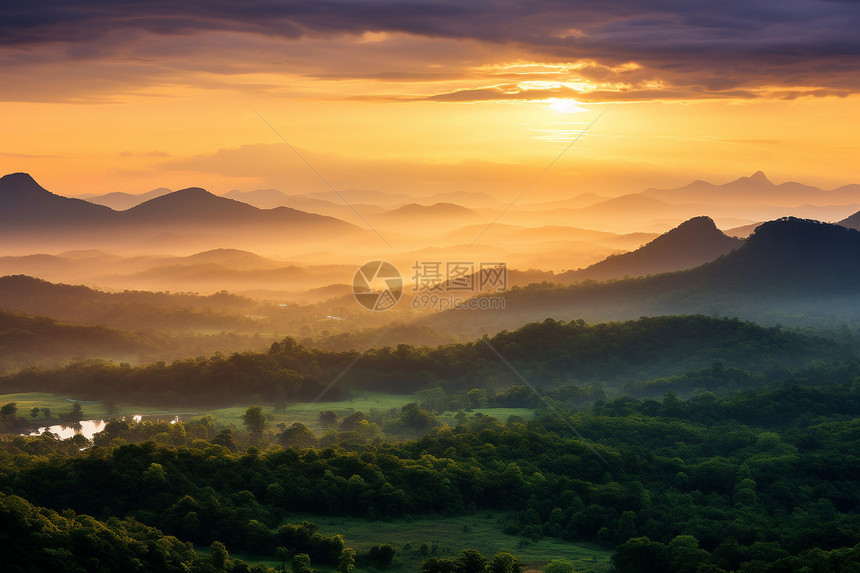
<point x="564" y="105"/>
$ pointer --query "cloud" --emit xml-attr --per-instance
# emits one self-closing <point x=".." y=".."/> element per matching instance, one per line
<point x="804" y="47"/>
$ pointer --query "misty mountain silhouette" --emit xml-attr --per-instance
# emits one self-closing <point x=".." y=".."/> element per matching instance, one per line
<point x="852" y="221"/>
<point x="414" y="210"/>
<point x="790" y="270"/>
<point x="192" y="205"/>
<point x="26" y="207"/>
<point x="262" y="198"/>
<point x="692" y="243"/>
<point x="120" y="201"/>
<point x="233" y="258"/>
<point x="788" y="256"/>
<point x="756" y="189"/>
<point x="24" y="203"/>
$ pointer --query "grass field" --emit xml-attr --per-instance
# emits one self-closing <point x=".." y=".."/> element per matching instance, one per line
<point x="451" y="535"/>
<point x="305" y="413"/>
<point x="59" y="405"/>
<point x="308" y="413"/>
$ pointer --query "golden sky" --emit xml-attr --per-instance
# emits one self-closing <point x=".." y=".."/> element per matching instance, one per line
<point x="422" y="97"/>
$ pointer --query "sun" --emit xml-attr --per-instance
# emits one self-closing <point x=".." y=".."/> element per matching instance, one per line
<point x="564" y="105"/>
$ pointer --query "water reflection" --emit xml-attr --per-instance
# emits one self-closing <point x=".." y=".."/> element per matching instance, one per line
<point x="86" y="428"/>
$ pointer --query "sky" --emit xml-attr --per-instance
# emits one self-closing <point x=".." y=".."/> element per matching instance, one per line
<point x="428" y="96"/>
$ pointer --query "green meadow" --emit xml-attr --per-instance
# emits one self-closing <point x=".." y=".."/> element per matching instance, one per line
<point x="305" y="413"/>
<point x="448" y="537"/>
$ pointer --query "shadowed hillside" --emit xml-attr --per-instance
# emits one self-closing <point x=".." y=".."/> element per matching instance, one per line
<point x="789" y="271"/>
<point x="693" y="243"/>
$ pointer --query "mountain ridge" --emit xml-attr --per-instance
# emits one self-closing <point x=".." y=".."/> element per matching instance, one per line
<point x="690" y="244"/>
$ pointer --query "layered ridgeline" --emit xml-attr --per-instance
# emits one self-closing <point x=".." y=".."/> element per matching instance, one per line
<point x="548" y="354"/>
<point x="29" y="212"/>
<point x="789" y="271"/>
<point x="757" y="190"/>
<point x="693" y="243"/>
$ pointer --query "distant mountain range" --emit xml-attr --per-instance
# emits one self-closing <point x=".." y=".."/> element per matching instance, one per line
<point x="693" y="243"/>
<point x="119" y="201"/>
<point x="29" y="210"/>
<point x="757" y="189"/>
<point x="789" y="271"/>
<point x="436" y="210"/>
<point x="737" y="203"/>
<point x="209" y="271"/>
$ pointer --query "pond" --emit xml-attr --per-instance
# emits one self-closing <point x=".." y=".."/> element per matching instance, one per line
<point x="87" y="428"/>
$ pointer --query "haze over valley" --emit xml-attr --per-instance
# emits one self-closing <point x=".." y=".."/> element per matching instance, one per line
<point x="429" y="287"/>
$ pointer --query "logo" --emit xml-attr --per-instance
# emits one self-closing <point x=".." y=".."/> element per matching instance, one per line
<point x="377" y="285"/>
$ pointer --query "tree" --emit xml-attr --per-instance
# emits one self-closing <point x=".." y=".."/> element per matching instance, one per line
<point x="380" y="556"/>
<point x="298" y="436"/>
<point x="219" y="555"/>
<point x="686" y="556"/>
<point x="8" y="410"/>
<point x="328" y="419"/>
<point x="302" y="563"/>
<point x="471" y="562"/>
<point x="504" y="562"/>
<point x="77" y="412"/>
<point x="640" y="554"/>
<point x="418" y="420"/>
<point x="282" y="554"/>
<point x="225" y="438"/>
<point x="34" y="412"/>
<point x="255" y="420"/>
<point x="346" y="561"/>
<point x="559" y="566"/>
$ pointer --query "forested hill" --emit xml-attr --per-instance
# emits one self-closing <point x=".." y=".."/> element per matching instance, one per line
<point x="134" y="310"/>
<point x="547" y="354"/>
<point x="27" y="340"/>
<point x="790" y="271"/>
<point x="690" y="244"/>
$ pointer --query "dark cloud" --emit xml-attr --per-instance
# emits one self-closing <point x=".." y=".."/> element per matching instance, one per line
<point x="718" y="46"/>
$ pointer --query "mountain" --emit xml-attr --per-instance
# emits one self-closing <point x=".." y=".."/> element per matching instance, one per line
<point x="633" y="211"/>
<point x="24" y="203"/>
<point x="361" y="196"/>
<point x="693" y="243"/>
<point x="33" y="218"/>
<point x="743" y="231"/>
<point x="121" y="201"/>
<point x="794" y="271"/>
<point x="192" y="206"/>
<point x="416" y="211"/>
<point x="472" y="198"/>
<point x="414" y="219"/>
<point x="756" y="189"/>
<point x="131" y="310"/>
<point x="851" y="222"/>
<point x="789" y="257"/>
<point x="232" y="258"/>
<point x="262" y="198"/>
<point x="271" y="198"/>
